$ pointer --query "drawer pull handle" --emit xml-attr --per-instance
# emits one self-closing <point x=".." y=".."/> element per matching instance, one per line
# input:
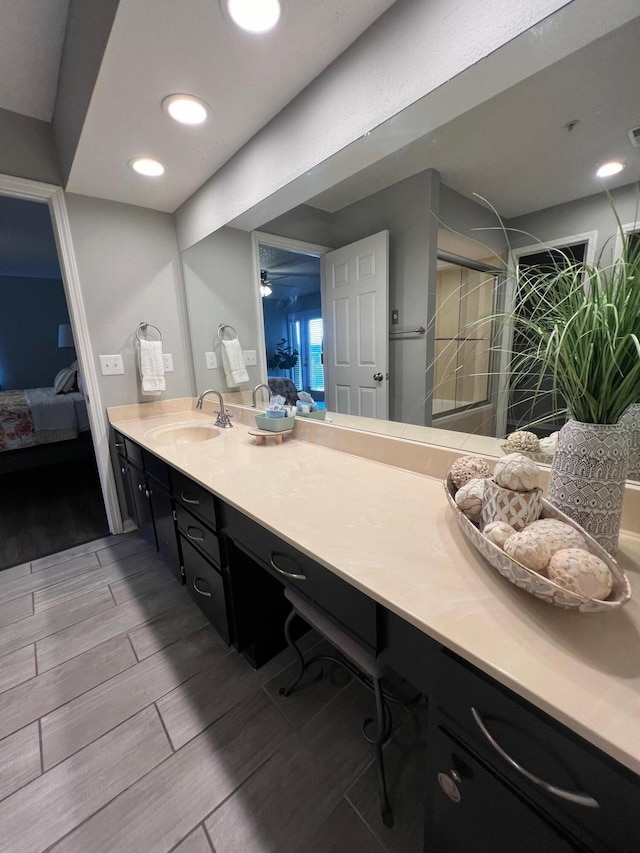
<point x="292" y="575"/>
<point x="187" y="500"/>
<point x="195" y="538"/>
<point x="200" y="591"/>
<point x="572" y="796"/>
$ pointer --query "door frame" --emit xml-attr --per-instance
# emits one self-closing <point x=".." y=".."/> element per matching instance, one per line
<point x="258" y="237"/>
<point x="54" y="197"/>
<point x="588" y="237"/>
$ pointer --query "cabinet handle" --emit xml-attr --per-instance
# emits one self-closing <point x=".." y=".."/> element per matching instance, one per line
<point x="195" y="538"/>
<point x="123" y="470"/>
<point x="578" y="797"/>
<point x="119" y="445"/>
<point x="200" y="591"/>
<point x="188" y="500"/>
<point x="293" y="575"/>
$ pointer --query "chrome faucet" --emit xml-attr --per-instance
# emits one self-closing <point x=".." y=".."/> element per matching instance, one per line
<point x="223" y="419"/>
<point x="255" y="392"/>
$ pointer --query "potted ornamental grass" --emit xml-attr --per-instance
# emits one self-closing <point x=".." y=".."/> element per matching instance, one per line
<point x="578" y="331"/>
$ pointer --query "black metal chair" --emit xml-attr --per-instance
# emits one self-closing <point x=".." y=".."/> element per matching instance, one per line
<point x="361" y="664"/>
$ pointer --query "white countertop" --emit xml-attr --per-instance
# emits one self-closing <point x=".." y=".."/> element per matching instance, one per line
<point x="390" y="533"/>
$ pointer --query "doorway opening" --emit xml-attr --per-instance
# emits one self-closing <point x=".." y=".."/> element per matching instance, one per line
<point x="292" y="316"/>
<point x="50" y="493"/>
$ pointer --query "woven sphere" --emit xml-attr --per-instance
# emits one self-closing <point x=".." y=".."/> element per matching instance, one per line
<point x="523" y="440"/>
<point x="516" y="472"/>
<point x="529" y="549"/>
<point x="468" y="468"/>
<point x="498" y="532"/>
<point x="469" y="498"/>
<point x="580" y="572"/>
<point x="557" y="534"/>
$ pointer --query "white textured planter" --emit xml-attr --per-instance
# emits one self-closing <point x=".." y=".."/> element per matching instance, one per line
<point x="588" y="475"/>
<point x="631" y="422"/>
<point x="516" y="508"/>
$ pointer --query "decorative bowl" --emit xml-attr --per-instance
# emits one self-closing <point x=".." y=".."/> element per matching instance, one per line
<point x="274" y="424"/>
<point x="531" y="581"/>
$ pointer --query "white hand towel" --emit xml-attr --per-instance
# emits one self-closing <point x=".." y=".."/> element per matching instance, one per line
<point x="151" y="364"/>
<point x="233" y="363"/>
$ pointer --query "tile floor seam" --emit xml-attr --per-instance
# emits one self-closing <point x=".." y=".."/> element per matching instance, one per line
<point x="173" y="749"/>
<point x="40" y="747"/>
<point x="24" y="785"/>
<point x="208" y="836"/>
<point x="362" y="818"/>
<point x="104" y="734"/>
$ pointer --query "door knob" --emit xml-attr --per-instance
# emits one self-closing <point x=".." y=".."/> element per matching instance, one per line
<point x="378" y="377"/>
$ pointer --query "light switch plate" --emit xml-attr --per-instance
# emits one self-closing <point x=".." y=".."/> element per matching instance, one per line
<point x="110" y="365"/>
<point x="211" y="360"/>
<point x="168" y="362"/>
<point x="250" y="357"/>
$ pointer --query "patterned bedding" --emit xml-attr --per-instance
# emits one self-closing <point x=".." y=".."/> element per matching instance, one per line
<point x="17" y="427"/>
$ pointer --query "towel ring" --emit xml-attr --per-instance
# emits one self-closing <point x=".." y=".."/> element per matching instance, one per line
<point x="221" y="329"/>
<point x="146" y="326"/>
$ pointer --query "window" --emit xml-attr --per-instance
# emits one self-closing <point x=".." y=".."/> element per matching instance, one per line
<point x="307" y="334"/>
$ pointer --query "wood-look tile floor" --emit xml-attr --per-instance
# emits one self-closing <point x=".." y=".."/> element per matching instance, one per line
<point x="126" y="724"/>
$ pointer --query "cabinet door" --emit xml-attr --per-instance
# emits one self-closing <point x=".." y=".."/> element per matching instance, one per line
<point x="141" y="497"/>
<point x="166" y="533"/>
<point x="127" y="487"/>
<point x="472" y="811"/>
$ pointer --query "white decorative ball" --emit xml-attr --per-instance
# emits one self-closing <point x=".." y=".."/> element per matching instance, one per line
<point x="468" y="468"/>
<point x="581" y="572"/>
<point x="469" y="498"/>
<point x="516" y="472"/>
<point x="523" y="440"/>
<point x="548" y="445"/>
<point x="498" y="532"/>
<point x="529" y="549"/>
<point x="557" y="534"/>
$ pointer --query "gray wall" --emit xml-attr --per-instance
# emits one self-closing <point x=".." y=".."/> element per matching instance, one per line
<point x="30" y="311"/>
<point x="594" y="213"/>
<point x="130" y="272"/>
<point x="470" y="218"/>
<point x="27" y="149"/>
<point x="221" y="287"/>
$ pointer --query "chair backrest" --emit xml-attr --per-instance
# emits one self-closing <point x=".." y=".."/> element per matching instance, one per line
<point x="284" y="387"/>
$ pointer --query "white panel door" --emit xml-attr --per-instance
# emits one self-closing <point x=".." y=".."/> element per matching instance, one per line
<point x="355" y="286"/>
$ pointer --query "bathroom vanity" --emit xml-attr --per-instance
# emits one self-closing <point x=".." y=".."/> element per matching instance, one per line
<point x="534" y="712"/>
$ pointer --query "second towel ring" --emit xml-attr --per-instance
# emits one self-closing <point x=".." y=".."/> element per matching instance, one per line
<point x="147" y="326"/>
<point x="221" y="329"/>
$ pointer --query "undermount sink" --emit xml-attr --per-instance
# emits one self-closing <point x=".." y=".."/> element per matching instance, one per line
<point x="188" y="433"/>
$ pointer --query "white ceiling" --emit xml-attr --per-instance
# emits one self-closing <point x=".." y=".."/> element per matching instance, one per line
<point x="515" y="151"/>
<point x="31" y="38"/>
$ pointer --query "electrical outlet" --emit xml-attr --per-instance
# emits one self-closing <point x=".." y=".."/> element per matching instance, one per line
<point x="250" y="357"/>
<point x="168" y="362"/>
<point x="111" y="365"/>
<point x="211" y="360"/>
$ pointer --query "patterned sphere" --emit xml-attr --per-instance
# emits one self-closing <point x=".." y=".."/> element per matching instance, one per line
<point x="529" y="549"/>
<point x="468" y="468"/>
<point x="516" y="472"/>
<point x="557" y="534"/>
<point x="498" y="532"/>
<point x="469" y="498"/>
<point x="523" y="440"/>
<point x="581" y="572"/>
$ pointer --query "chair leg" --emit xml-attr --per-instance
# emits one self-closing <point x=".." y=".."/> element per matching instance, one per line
<point x="381" y="736"/>
<point x="286" y="691"/>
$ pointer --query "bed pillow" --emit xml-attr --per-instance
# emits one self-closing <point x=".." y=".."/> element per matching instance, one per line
<point x="65" y="381"/>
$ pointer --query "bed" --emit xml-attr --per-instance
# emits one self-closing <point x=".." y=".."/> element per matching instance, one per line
<point x="38" y="416"/>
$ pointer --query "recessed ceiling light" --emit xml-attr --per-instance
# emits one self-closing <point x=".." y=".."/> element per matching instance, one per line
<point x="147" y="166"/>
<point x="186" y="109"/>
<point x="254" y="16"/>
<point x="608" y="169"/>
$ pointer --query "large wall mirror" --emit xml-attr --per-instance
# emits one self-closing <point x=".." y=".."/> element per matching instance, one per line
<point x="457" y="207"/>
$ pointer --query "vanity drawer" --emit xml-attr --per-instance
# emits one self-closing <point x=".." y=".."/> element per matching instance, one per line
<point x="544" y="748"/>
<point x="355" y="612"/>
<point x="198" y="534"/>
<point x="134" y="452"/>
<point x="195" y="498"/>
<point x="207" y="588"/>
<point x="157" y="468"/>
